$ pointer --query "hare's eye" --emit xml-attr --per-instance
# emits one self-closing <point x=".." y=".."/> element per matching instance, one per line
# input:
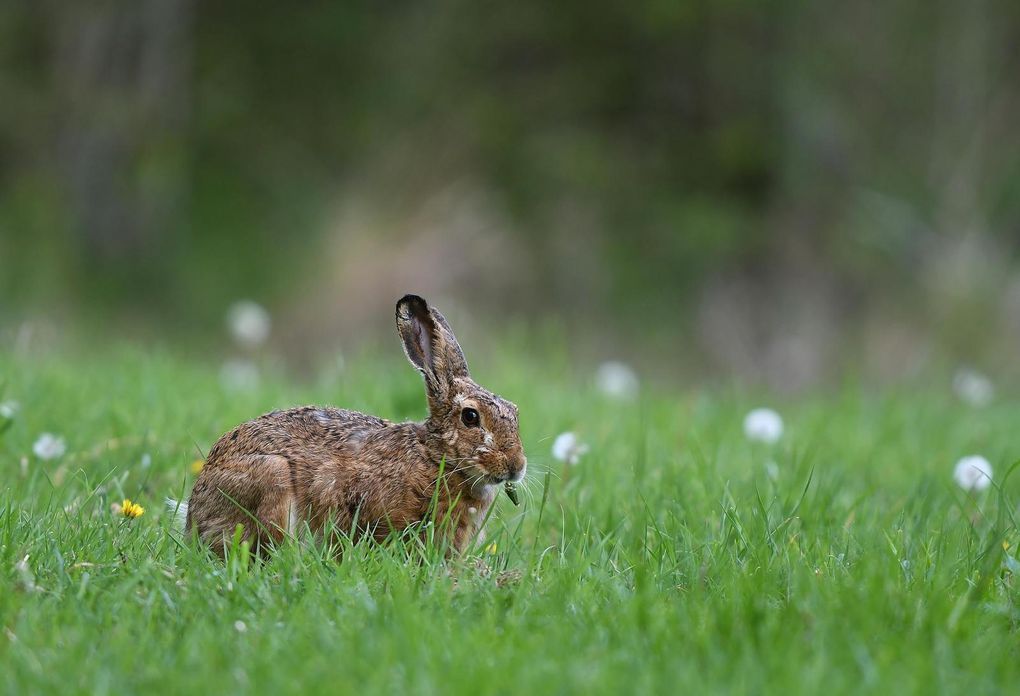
<point x="469" y="417"/>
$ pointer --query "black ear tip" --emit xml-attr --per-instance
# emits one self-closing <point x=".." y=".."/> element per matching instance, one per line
<point x="409" y="305"/>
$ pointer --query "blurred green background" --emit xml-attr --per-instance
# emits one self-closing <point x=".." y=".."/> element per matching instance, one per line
<point x="776" y="191"/>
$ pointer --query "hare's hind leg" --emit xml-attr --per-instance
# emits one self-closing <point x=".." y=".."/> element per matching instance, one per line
<point x="254" y="491"/>
<point x="276" y="507"/>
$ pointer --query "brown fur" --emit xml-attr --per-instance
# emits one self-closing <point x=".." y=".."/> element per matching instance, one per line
<point x="315" y="465"/>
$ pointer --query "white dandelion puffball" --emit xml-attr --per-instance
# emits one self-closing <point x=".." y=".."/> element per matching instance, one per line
<point x="972" y="387"/>
<point x="49" y="446"/>
<point x="763" y="425"/>
<point x="239" y="375"/>
<point x="249" y="323"/>
<point x="9" y="409"/>
<point x="617" y="380"/>
<point x="973" y="473"/>
<point x="568" y="448"/>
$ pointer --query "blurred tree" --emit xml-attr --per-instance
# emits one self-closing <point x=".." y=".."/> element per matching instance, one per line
<point x="122" y="83"/>
<point x="762" y="172"/>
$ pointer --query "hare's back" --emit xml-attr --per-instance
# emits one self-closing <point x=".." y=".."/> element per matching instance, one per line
<point x="297" y="431"/>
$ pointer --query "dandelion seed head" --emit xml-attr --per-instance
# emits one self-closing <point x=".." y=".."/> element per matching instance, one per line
<point x="49" y="446"/>
<point x="973" y="473"/>
<point x="9" y="409"/>
<point x="973" y="388"/>
<point x="249" y="323"/>
<point x="763" y="425"/>
<point x="567" y="447"/>
<point x="617" y="380"/>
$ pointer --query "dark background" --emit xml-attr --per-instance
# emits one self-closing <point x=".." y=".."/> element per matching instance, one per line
<point x="781" y="191"/>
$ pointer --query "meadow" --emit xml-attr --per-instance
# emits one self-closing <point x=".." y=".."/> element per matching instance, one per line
<point x="673" y="556"/>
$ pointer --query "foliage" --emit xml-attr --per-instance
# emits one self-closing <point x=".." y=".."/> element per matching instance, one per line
<point x="668" y="558"/>
<point x="165" y="157"/>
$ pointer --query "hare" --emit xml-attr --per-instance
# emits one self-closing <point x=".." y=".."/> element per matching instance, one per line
<point x="315" y="466"/>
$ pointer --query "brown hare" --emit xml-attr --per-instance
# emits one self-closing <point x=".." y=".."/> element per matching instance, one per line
<point x="310" y="465"/>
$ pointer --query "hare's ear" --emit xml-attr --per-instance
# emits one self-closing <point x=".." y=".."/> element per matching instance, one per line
<point x="430" y="346"/>
<point x="454" y="364"/>
<point x="418" y="334"/>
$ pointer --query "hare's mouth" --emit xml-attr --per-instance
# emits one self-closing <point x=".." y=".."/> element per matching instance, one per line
<point x="479" y="473"/>
<point x="508" y="475"/>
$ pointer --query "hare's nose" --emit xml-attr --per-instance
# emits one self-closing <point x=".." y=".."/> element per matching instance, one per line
<point x="517" y="467"/>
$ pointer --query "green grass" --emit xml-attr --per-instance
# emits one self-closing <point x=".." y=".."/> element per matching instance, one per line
<point x="667" y="561"/>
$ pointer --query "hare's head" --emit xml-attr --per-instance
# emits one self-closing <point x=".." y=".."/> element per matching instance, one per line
<point x="478" y="430"/>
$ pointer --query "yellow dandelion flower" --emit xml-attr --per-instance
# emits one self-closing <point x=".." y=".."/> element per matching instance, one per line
<point x="196" y="466"/>
<point x="129" y="509"/>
